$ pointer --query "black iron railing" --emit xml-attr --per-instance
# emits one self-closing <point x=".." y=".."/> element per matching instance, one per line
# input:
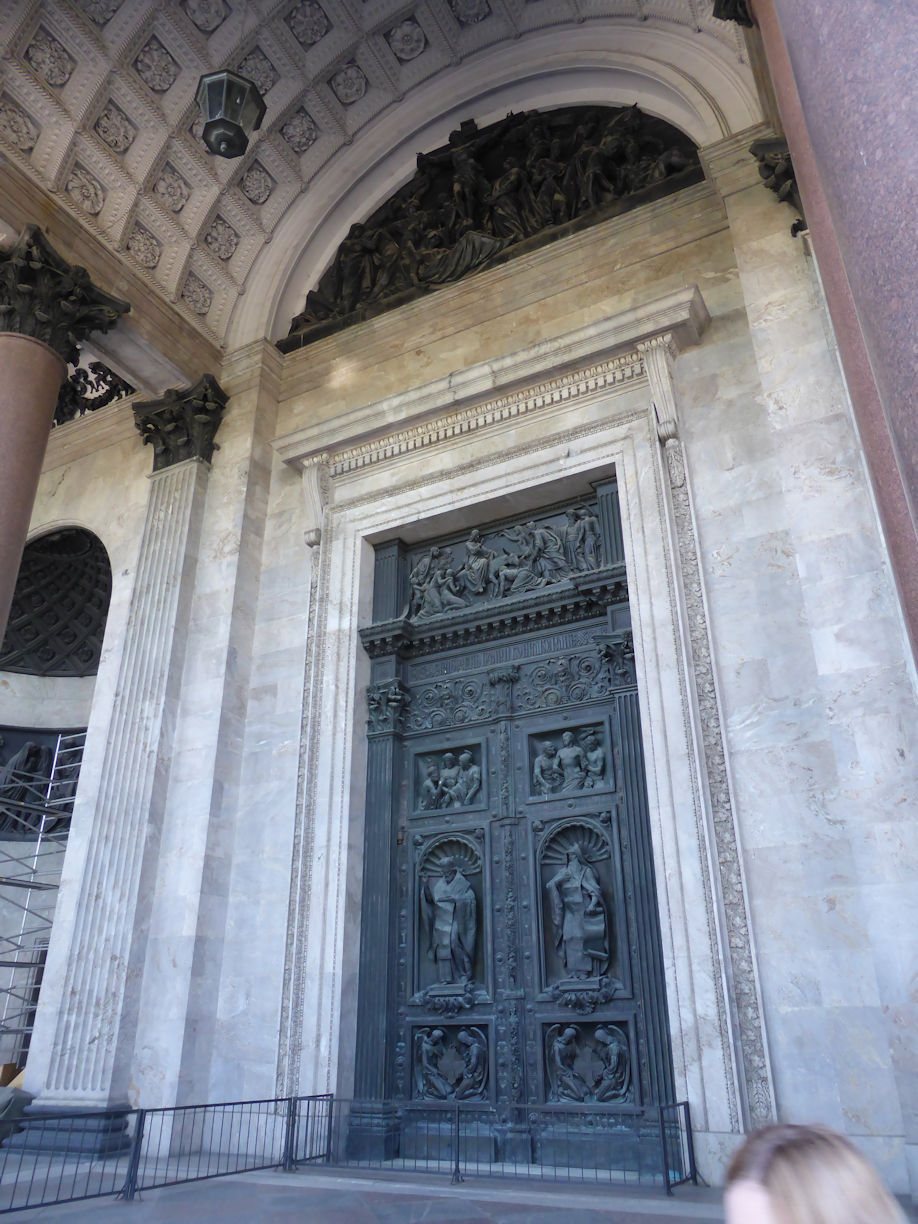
<point x="62" y="1157"/>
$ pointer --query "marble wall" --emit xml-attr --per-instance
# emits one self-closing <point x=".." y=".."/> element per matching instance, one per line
<point x="761" y="591"/>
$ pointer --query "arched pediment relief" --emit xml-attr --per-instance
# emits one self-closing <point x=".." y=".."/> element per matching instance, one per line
<point x="687" y="78"/>
<point x="490" y="194"/>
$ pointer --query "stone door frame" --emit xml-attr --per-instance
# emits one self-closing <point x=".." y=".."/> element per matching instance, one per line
<point x="594" y="401"/>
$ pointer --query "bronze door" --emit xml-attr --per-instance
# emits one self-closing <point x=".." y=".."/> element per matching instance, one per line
<point x="510" y="919"/>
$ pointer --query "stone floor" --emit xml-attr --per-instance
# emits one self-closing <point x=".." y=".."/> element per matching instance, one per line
<point x="314" y="1198"/>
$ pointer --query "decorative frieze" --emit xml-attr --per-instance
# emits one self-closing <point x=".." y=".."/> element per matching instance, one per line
<point x="144" y="247"/>
<point x="349" y="84"/>
<point x="43" y="296"/>
<point x="615" y="373"/>
<point x="183" y="424"/>
<point x="300" y="131"/>
<point x="19" y="128"/>
<point x="222" y="239"/>
<point x="257" y="184"/>
<point x="86" y="190"/>
<point x="171" y="189"/>
<point x="114" y="128"/>
<point x="49" y="58"/>
<point x="258" y="68"/>
<point x="407" y="40"/>
<point x="156" y="67"/>
<point x="308" y="22"/>
<point x="87" y="389"/>
<point x="196" y="294"/>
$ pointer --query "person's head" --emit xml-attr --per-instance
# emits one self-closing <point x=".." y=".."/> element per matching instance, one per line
<point x="465" y="759"/>
<point x="787" y="1174"/>
<point x="567" y="739"/>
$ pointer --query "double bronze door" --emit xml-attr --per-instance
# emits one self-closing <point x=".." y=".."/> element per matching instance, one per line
<point x="526" y="967"/>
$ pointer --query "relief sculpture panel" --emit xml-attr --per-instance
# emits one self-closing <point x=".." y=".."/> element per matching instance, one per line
<point x="588" y="1062"/>
<point x="568" y="762"/>
<point x="448" y="780"/>
<point x="513" y="559"/>
<point x="580" y="954"/>
<point x="449" y="943"/>
<point x="450" y="1063"/>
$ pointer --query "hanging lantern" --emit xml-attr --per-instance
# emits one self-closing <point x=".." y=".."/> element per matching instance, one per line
<point x="232" y="108"/>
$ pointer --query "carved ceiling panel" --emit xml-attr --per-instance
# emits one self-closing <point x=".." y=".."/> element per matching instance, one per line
<point x="97" y="106"/>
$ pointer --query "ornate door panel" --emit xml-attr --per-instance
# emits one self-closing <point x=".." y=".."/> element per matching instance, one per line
<point x="510" y="949"/>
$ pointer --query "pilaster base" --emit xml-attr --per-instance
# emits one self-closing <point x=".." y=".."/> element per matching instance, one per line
<point x="47" y="1129"/>
<point x="373" y="1131"/>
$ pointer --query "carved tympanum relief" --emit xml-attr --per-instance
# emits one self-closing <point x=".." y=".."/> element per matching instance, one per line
<point x="489" y="193"/>
<point x="515" y="559"/>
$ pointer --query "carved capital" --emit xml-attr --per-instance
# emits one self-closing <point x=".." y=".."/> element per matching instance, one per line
<point x="183" y="424"/>
<point x="776" y="171"/>
<point x="387" y="705"/>
<point x="733" y="10"/>
<point x="43" y="296"/>
<point x="317" y="493"/>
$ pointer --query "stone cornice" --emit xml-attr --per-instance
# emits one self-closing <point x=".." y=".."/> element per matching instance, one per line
<point x="46" y="298"/>
<point x="729" y="164"/>
<point x="589" y="359"/>
<point x="183" y="424"/>
<point x="109" y="426"/>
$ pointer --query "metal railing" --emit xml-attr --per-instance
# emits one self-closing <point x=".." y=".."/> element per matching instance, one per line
<point x="66" y="1156"/>
<point x="562" y="1143"/>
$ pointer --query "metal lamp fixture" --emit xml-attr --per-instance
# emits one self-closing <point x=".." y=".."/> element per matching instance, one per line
<point x="232" y="108"/>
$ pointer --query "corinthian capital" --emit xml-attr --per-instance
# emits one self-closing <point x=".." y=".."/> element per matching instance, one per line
<point x="43" y="296"/>
<point x="183" y="424"/>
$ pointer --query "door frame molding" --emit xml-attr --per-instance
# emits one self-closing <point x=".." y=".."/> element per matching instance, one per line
<point x="530" y="428"/>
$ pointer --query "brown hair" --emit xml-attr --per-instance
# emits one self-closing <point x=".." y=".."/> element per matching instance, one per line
<point x="813" y="1175"/>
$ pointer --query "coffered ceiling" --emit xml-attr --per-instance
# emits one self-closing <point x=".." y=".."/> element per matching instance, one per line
<point x="97" y="108"/>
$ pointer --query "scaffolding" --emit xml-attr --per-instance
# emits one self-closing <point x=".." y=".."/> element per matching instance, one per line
<point x="37" y="789"/>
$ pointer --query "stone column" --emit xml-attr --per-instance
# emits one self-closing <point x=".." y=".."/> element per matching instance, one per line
<point x="841" y="73"/>
<point x="84" y="1034"/>
<point x="46" y="308"/>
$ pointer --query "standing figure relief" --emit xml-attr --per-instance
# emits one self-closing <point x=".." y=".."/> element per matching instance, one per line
<point x="449" y="919"/>
<point x="578" y="917"/>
